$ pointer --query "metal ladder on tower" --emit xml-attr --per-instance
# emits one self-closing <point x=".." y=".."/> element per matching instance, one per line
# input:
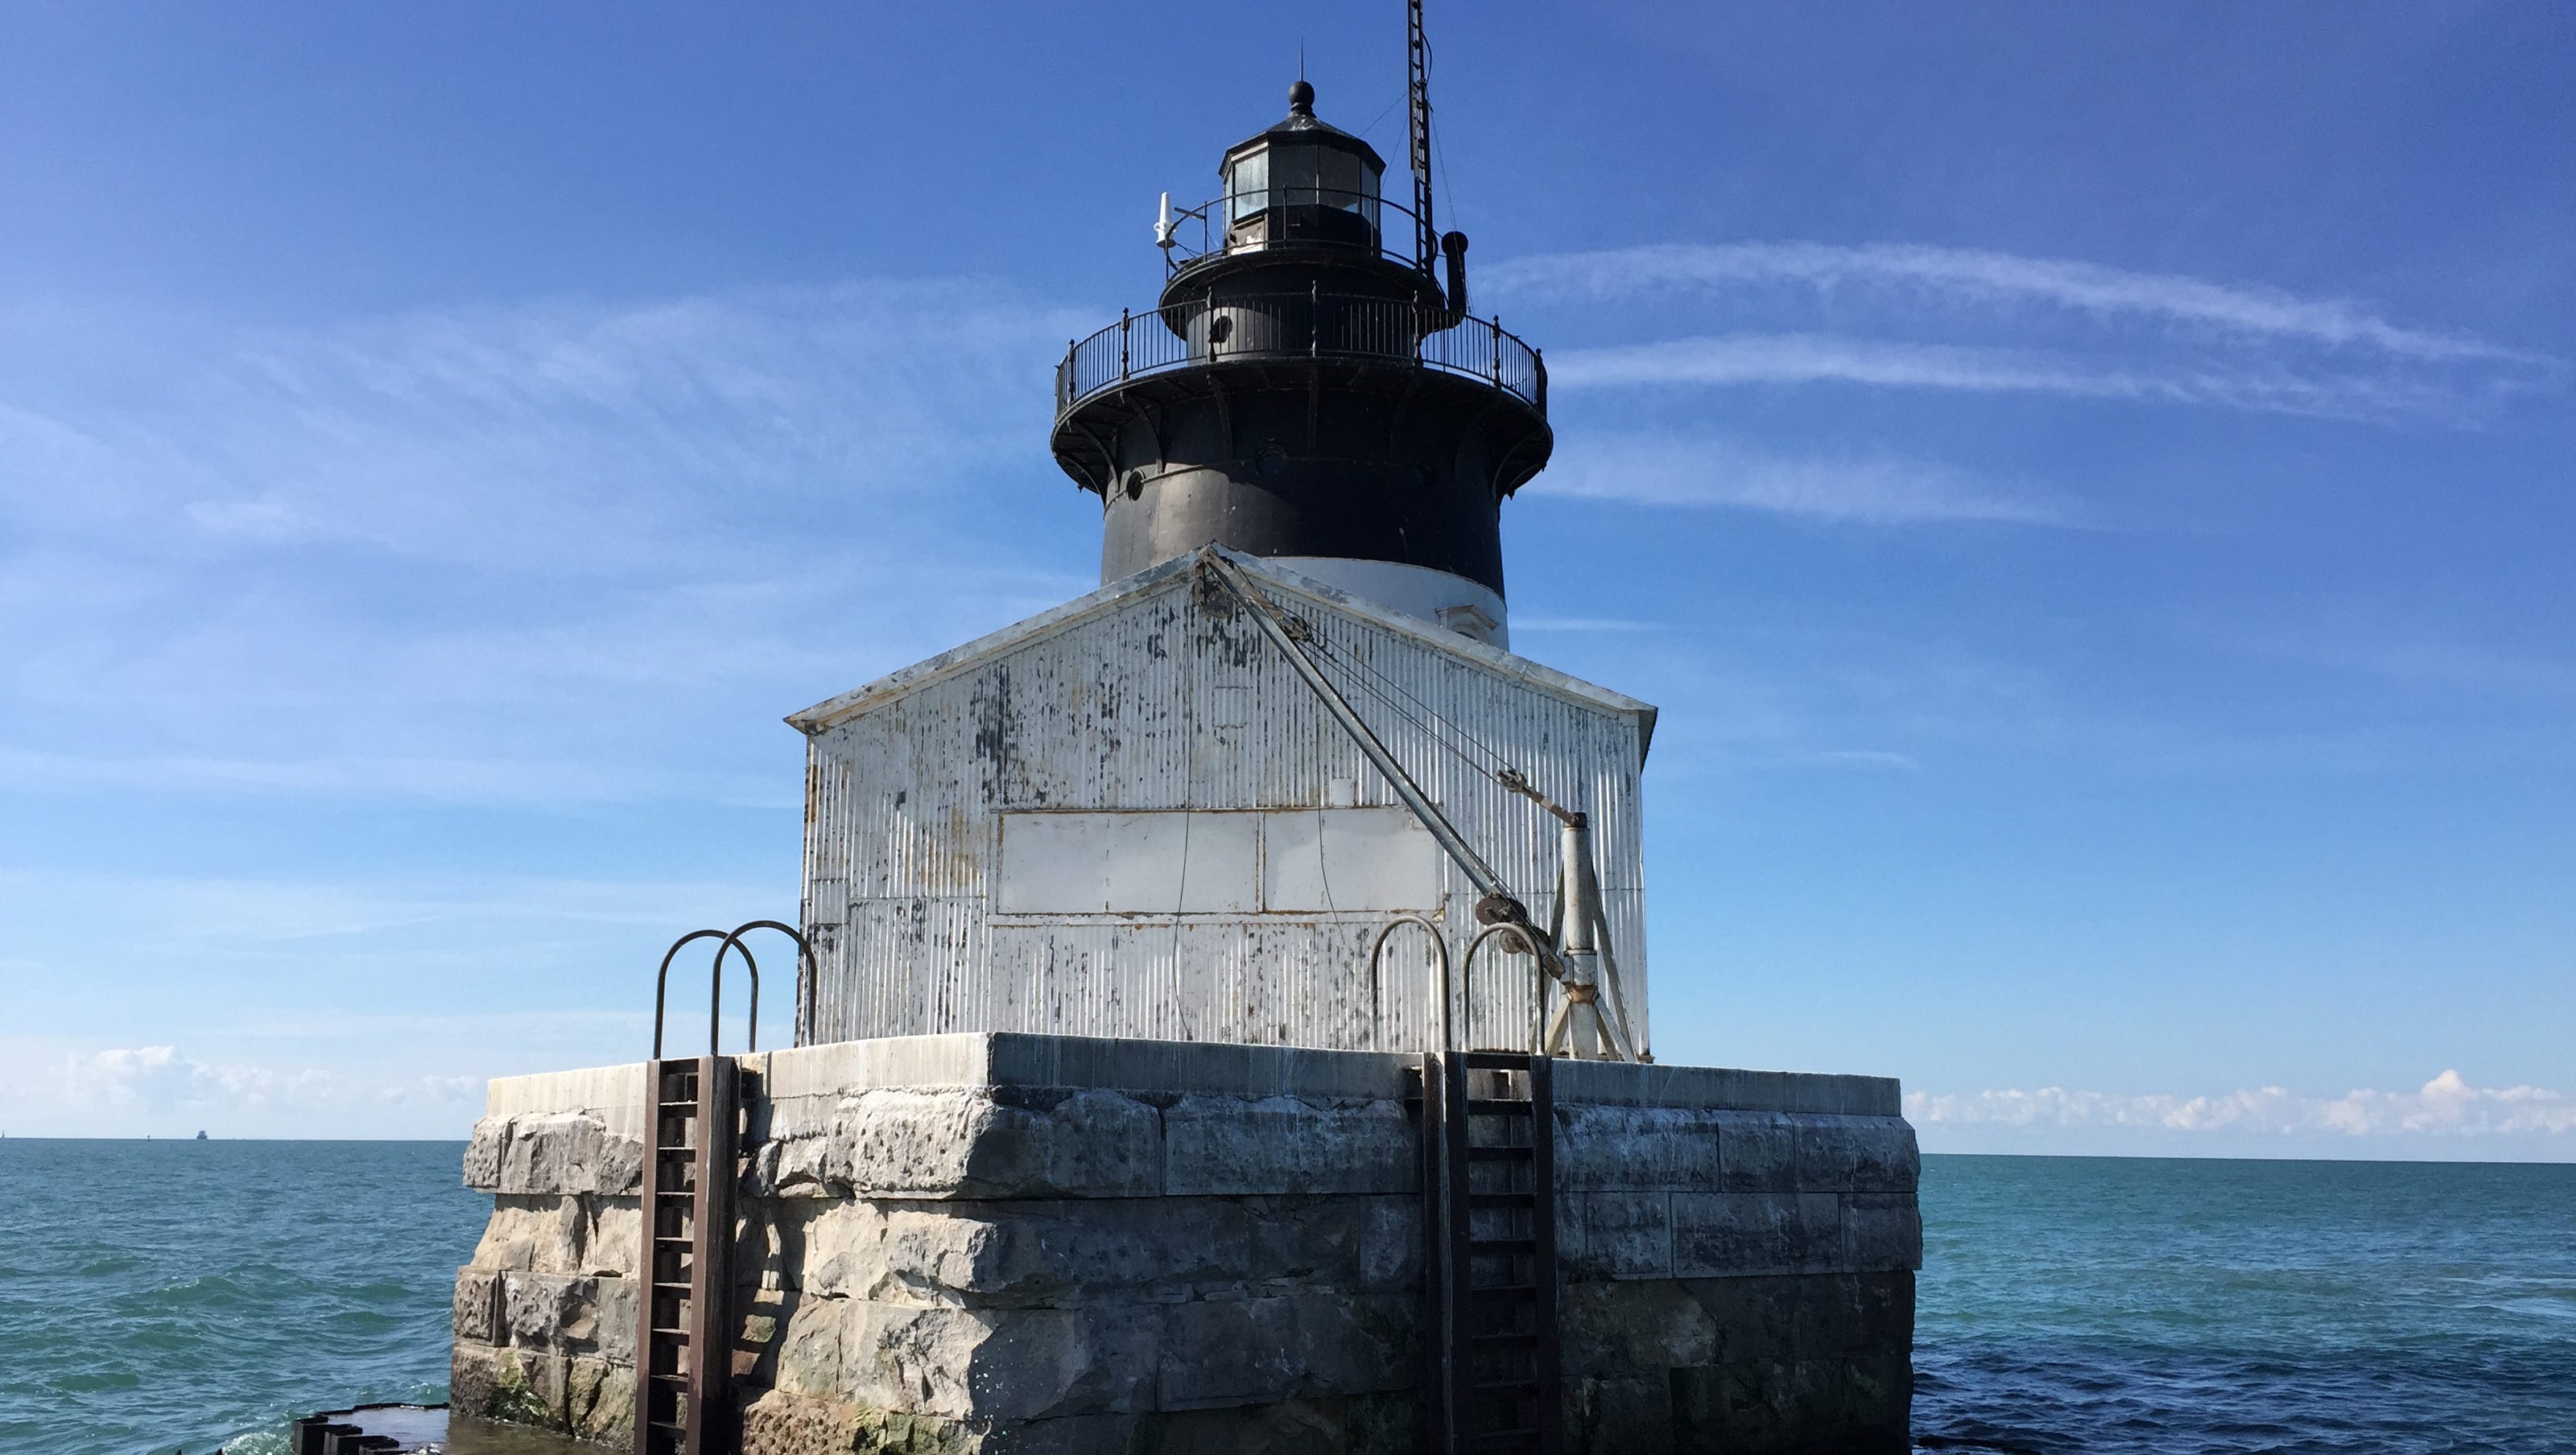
<point x="692" y="1106"/>
<point x="1492" y="1379"/>
<point x="684" y="1344"/>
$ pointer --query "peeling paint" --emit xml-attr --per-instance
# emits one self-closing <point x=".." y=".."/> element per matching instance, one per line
<point x="1157" y="702"/>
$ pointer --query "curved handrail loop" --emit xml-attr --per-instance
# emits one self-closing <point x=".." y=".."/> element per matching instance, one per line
<point x="715" y="986"/>
<point x="805" y="975"/>
<point x="1528" y="946"/>
<point x="662" y="985"/>
<point x="1440" y="943"/>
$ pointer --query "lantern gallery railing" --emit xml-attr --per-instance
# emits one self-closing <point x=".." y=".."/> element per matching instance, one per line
<point x="1298" y="325"/>
<point x="1284" y="216"/>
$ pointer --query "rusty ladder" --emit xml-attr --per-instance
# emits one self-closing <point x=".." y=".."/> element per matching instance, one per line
<point x="683" y="1348"/>
<point x="692" y="1106"/>
<point x="1491" y="1374"/>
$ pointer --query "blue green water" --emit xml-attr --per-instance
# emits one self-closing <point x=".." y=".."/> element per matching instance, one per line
<point x="2184" y="1306"/>
<point x="158" y="1296"/>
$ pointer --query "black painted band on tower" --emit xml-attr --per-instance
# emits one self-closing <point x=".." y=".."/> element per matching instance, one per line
<point x="1302" y="389"/>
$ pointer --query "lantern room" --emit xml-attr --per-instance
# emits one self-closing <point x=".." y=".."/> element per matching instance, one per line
<point x="1303" y="180"/>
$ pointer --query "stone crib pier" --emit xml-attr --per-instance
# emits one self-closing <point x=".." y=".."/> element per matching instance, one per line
<point x="1011" y="1243"/>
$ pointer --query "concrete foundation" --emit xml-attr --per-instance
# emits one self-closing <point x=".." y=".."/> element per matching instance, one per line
<point x="1021" y="1243"/>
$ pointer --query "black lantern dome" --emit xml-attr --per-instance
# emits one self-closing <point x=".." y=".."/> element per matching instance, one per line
<point x="1303" y="390"/>
<point x="1303" y="179"/>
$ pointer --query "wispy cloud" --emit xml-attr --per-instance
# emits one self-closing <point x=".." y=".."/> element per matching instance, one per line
<point x="1584" y="624"/>
<point x="519" y="781"/>
<point x="566" y="436"/>
<point x="476" y="556"/>
<point x="1684" y="470"/>
<point x="1991" y="277"/>
<point x="1732" y="359"/>
<point x="1869" y="758"/>
<point x="2400" y="648"/>
<point x="1959" y="319"/>
<point x="202" y="915"/>
<point x="2444" y="1106"/>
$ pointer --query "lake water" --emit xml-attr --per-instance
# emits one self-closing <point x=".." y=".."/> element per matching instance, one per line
<point x="161" y="1296"/>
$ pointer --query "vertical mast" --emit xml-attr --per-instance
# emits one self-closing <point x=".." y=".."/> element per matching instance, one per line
<point x="1417" y="66"/>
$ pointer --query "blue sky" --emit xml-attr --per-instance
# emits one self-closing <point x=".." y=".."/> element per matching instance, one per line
<point x="2089" y="488"/>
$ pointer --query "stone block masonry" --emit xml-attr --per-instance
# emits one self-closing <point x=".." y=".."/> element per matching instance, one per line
<point x="1013" y="1243"/>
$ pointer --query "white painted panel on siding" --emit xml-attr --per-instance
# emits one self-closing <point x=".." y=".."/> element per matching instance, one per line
<point x="1182" y="863"/>
<point x="1303" y="861"/>
<point x="1378" y="859"/>
<point x="1054" y="863"/>
<point x="1129" y="863"/>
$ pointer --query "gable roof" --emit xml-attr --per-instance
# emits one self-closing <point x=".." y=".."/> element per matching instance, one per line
<point x="1174" y="574"/>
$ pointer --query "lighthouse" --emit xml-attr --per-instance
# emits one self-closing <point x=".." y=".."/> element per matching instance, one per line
<point x="1223" y="1010"/>
<point x="1310" y="388"/>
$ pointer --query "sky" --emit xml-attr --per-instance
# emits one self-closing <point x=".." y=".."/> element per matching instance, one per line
<point x="2089" y="489"/>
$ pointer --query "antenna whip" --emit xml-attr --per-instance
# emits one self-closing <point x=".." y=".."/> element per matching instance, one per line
<point x="1417" y="66"/>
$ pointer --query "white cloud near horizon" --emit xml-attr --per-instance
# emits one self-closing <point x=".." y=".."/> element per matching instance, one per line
<point x="2444" y="1106"/>
<point x="2140" y="337"/>
<point x="159" y="1079"/>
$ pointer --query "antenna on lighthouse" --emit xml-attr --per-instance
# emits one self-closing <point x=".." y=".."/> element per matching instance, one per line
<point x="1417" y="67"/>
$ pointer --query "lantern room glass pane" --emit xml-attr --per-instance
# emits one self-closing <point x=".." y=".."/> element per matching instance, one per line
<point x="1292" y="175"/>
<point x="1247" y="185"/>
<point x="1338" y="173"/>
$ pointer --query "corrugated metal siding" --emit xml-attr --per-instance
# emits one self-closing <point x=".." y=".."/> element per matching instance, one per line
<point x="1172" y="701"/>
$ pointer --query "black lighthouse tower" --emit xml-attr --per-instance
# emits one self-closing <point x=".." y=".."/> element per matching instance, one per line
<point x="1311" y="387"/>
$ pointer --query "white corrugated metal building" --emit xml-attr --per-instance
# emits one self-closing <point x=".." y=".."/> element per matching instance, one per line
<point x="1129" y="816"/>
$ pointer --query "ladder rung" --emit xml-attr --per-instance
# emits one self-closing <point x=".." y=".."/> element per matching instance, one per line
<point x="1502" y="1327"/>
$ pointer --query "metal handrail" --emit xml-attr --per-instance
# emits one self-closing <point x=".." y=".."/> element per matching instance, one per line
<point x="1377" y="974"/>
<point x="715" y="992"/>
<point x="1526" y="946"/>
<point x="805" y="975"/>
<point x="1199" y="331"/>
<point x="1215" y="226"/>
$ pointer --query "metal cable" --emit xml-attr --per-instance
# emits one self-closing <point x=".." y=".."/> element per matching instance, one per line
<point x="1430" y="721"/>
